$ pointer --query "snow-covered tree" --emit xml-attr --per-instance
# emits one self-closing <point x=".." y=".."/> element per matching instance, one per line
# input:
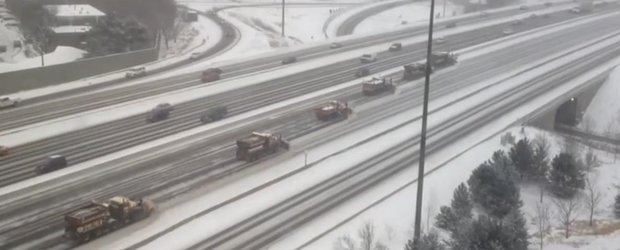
<point x="494" y="190"/>
<point x="460" y="209"/>
<point x="540" y="161"/>
<point x="592" y="199"/>
<point x="567" y="210"/>
<point x="542" y="219"/>
<point x="591" y="161"/>
<point x="515" y="227"/>
<point x="522" y="157"/>
<point x="367" y="240"/>
<point x="461" y="203"/>
<point x="566" y="177"/>
<point x="428" y="241"/>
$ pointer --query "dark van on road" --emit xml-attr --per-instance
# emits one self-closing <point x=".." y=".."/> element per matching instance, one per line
<point x="52" y="163"/>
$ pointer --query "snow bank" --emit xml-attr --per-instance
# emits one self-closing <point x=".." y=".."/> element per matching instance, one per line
<point x="603" y="114"/>
<point x="405" y="14"/>
<point x="62" y="54"/>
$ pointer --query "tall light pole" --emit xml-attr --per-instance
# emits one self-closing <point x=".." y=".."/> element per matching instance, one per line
<point x="418" y="202"/>
<point x="283" y="18"/>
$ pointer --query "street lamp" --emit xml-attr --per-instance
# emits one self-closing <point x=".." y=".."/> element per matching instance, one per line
<point x="418" y="203"/>
<point x="283" y="18"/>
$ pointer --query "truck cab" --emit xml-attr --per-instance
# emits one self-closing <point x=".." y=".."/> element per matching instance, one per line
<point x="52" y="163"/>
<point x="8" y="102"/>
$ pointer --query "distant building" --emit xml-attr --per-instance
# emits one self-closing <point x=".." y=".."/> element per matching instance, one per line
<point x="74" y="14"/>
<point x="72" y="22"/>
<point x="70" y="35"/>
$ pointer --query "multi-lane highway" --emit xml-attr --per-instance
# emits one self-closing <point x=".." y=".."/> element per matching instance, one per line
<point x="38" y="212"/>
<point x="258" y="231"/>
<point x="100" y="140"/>
<point x="37" y="110"/>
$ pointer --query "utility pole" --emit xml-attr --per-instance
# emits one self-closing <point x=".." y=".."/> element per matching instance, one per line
<point x="283" y="18"/>
<point x="418" y="202"/>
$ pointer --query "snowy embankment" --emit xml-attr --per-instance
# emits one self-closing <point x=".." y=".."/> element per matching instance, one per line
<point x="231" y="213"/>
<point x="62" y="54"/>
<point x="208" y="29"/>
<point x="196" y="37"/>
<point x="405" y="14"/>
<point x="8" y="35"/>
<point x="603" y="113"/>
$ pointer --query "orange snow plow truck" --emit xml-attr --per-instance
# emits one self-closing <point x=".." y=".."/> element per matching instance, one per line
<point x="332" y="110"/>
<point x="257" y="145"/>
<point x="97" y="219"/>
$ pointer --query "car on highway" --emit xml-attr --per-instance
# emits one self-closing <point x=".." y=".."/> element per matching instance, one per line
<point x="451" y="25"/>
<point x="524" y="7"/>
<point x="548" y="4"/>
<point x="546" y="15"/>
<point x="575" y="10"/>
<point x="213" y="114"/>
<point x="439" y="40"/>
<point x="483" y="14"/>
<point x="136" y="72"/>
<point x="289" y="60"/>
<point x="4" y="151"/>
<point x="195" y="55"/>
<point x="533" y="15"/>
<point x="361" y="72"/>
<point x="52" y="163"/>
<point x="160" y="112"/>
<point x="8" y="102"/>
<point x="508" y="31"/>
<point x="395" y="47"/>
<point x="335" y="45"/>
<point x="368" y="58"/>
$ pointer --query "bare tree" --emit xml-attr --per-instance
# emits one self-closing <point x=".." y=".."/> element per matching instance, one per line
<point x="541" y="161"/>
<point x="542" y="219"/>
<point x="567" y="210"/>
<point x="367" y="240"/>
<point x="592" y="199"/>
<point x="345" y="243"/>
<point x="591" y="161"/>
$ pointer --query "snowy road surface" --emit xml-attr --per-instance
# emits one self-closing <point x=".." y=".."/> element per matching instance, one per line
<point x="212" y="222"/>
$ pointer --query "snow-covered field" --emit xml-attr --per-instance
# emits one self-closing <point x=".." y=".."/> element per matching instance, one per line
<point x="603" y="114"/>
<point x="62" y="54"/>
<point x="405" y="14"/>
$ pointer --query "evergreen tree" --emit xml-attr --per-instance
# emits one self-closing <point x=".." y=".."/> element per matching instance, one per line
<point x="540" y="162"/>
<point x="502" y="162"/>
<point x="617" y="206"/>
<point x="494" y="190"/>
<point x="428" y="241"/>
<point x="114" y="35"/>
<point x="461" y="204"/>
<point x="460" y="209"/>
<point x="515" y="226"/>
<point x="566" y="177"/>
<point x="522" y="157"/>
<point x="446" y="219"/>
